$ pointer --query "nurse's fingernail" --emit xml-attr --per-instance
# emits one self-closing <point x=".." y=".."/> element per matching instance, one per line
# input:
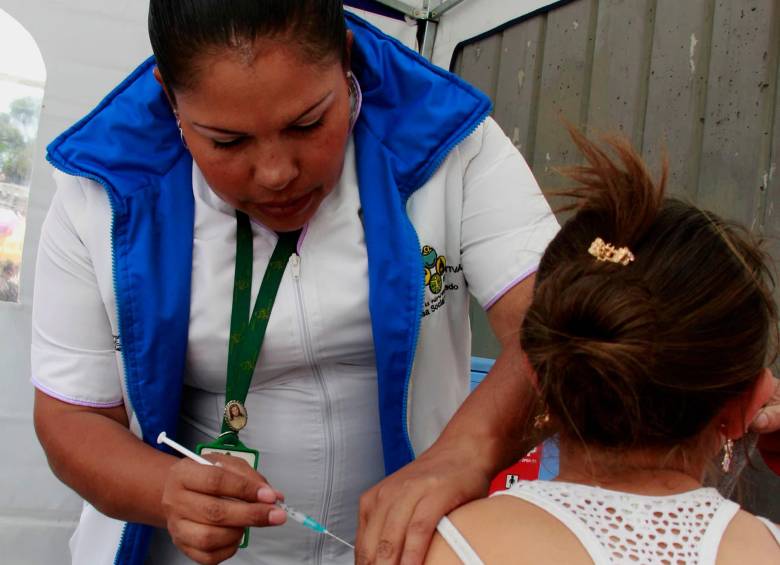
<point x="266" y="494"/>
<point x="277" y="517"/>
<point x="761" y="421"/>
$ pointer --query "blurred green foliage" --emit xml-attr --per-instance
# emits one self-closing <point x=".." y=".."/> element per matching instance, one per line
<point x="17" y="137"/>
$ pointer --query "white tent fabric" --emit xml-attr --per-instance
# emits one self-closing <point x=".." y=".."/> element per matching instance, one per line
<point x="88" y="46"/>
<point x="472" y="18"/>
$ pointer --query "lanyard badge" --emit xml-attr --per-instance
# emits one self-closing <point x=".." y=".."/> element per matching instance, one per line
<point x="247" y="330"/>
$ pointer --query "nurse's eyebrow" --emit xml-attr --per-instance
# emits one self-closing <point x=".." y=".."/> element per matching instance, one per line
<point x="313" y="107"/>
<point x="218" y="130"/>
<point x="303" y="114"/>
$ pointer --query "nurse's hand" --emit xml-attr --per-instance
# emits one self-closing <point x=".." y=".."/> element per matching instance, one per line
<point x="207" y="507"/>
<point x="399" y="515"/>
<point x="767" y="423"/>
<point x="767" y="420"/>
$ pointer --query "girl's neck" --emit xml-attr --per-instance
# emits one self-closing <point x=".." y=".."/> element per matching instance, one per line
<point x="646" y="472"/>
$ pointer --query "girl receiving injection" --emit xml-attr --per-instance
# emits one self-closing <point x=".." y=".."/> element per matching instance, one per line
<point x="649" y="333"/>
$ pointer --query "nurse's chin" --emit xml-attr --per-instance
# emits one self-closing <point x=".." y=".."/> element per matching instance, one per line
<point x="287" y="217"/>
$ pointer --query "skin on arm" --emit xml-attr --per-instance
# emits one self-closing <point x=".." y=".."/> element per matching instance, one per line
<point x="398" y="516"/>
<point x="92" y="451"/>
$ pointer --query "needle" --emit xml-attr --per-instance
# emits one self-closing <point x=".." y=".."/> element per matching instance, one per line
<point x="310" y="523"/>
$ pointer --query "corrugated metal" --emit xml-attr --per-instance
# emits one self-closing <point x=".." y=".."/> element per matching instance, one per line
<point x="698" y="78"/>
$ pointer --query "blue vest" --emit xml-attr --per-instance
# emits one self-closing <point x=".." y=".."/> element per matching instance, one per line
<point x="413" y="115"/>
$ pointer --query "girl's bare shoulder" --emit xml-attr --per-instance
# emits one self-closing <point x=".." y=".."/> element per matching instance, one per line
<point x="507" y="530"/>
<point x="748" y="540"/>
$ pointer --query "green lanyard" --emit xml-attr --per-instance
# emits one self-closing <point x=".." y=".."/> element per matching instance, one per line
<point x="247" y="331"/>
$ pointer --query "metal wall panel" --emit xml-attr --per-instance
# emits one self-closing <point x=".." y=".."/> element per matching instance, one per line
<point x="565" y="86"/>
<point x="677" y="90"/>
<point x="696" y="80"/>
<point x="517" y="90"/>
<point x="738" y="112"/>
<point x="621" y="59"/>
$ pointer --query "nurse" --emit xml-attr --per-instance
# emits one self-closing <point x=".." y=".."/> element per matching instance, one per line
<point x="264" y="240"/>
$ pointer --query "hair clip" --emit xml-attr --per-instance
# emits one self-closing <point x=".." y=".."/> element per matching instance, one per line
<point x="606" y="252"/>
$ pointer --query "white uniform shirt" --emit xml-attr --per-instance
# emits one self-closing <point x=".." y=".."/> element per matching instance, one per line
<point x="313" y="402"/>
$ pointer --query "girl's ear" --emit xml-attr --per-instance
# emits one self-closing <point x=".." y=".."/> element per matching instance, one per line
<point x="738" y="413"/>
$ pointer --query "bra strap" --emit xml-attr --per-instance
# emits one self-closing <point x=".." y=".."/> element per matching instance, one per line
<point x="457" y="542"/>
<point x="773" y="528"/>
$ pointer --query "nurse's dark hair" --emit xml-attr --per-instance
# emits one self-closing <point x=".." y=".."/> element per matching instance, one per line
<point x="645" y="354"/>
<point x="181" y="31"/>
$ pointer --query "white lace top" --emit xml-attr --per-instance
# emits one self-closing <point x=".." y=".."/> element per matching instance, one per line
<point x="618" y="527"/>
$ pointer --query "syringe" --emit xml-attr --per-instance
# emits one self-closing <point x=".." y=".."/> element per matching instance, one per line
<point x="300" y="517"/>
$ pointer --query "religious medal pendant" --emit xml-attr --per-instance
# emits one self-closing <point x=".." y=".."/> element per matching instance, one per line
<point x="235" y="415"/>
<point x="227" y="443"/>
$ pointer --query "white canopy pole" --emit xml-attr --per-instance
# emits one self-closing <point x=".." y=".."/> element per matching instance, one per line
<point x="443" y="24"/>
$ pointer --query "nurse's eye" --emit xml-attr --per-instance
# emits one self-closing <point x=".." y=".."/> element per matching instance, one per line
<point x="228" y="144"/>
<point x="311" y="126"/>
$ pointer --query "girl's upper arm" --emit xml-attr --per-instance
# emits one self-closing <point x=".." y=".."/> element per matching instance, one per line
<point x="440" y="553"/>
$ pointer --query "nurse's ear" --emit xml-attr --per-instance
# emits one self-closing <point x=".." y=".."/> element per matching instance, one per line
<point x="346" y="61"/>
<point x="168" y="94"/>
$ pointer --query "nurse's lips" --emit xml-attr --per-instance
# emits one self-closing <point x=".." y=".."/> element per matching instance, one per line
<point x="288" y="207"/>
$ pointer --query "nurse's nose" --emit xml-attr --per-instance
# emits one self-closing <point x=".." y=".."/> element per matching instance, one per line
<point x="274" y="168"/>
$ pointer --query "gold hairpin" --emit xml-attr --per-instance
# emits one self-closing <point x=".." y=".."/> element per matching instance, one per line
<point x="606" y="252"/>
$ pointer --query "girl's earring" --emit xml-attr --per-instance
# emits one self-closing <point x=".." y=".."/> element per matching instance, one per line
<point x="542" y="420"/>
<point x="728" y="455"/>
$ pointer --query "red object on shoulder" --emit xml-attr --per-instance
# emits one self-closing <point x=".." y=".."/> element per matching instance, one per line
<point x="769" y="447"/>
<point x="527" y="469"/>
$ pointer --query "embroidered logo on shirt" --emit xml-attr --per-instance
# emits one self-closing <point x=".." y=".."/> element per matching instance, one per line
<point x="435" y="269"/>
<point x="117" y="343"/>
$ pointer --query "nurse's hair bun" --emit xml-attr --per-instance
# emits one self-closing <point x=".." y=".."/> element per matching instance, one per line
<point x="644" y="351"/>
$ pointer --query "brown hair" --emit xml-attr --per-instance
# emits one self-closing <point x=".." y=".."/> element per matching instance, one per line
<point x="646" y="354"/>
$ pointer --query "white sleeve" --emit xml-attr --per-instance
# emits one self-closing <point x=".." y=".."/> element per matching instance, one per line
<point x="506" y="222"/>
<point x="73" y="357"/>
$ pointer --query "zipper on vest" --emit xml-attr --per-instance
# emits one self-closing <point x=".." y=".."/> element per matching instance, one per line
<point x="295" y="264"/>
<point x="412" y="354"/>
<point x="430" y="168"/>
<point x="113" y="205"/>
